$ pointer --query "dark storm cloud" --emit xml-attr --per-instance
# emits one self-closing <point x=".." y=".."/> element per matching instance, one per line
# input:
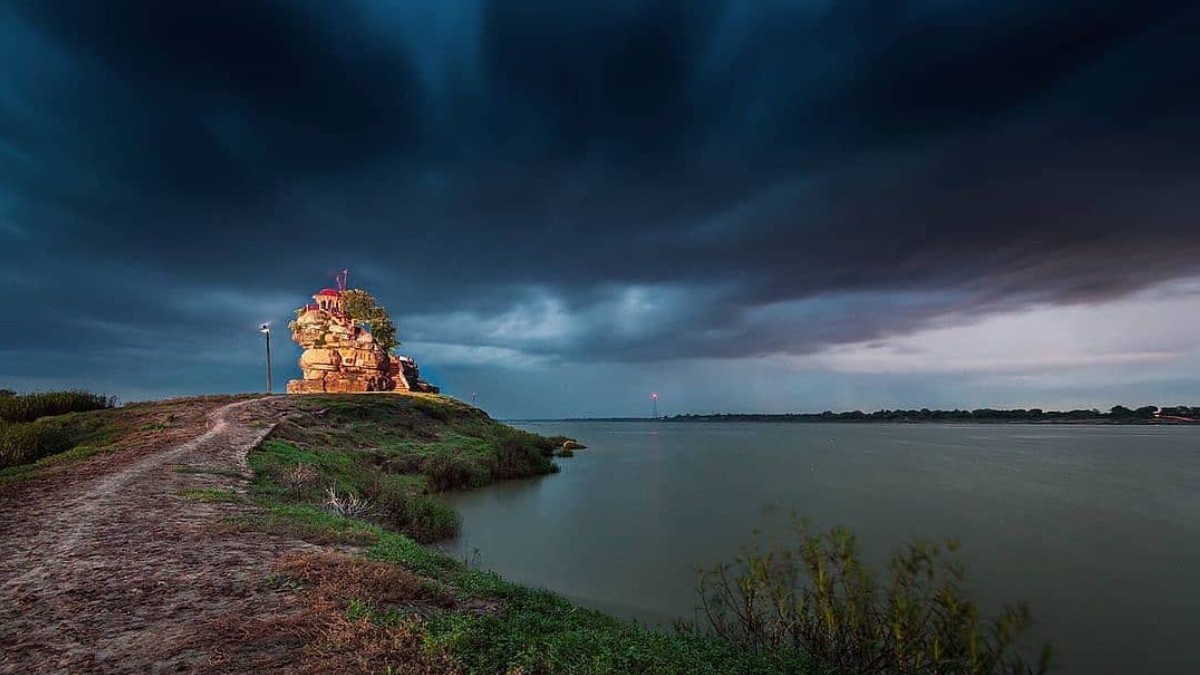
<point x="633" y="180"/>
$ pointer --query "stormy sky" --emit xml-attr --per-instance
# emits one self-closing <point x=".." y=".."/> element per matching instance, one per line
<point x="768" y="206"/>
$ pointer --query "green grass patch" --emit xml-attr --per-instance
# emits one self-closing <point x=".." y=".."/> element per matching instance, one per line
<point x="307" y="523"/>
<point x="212" y="495"/>
<point x="293" y="475"/>
<point x="539" y="632"/>
<point x="16" y="473"/>
<point x="98" y="428"/>
<point x="206" y="471"/>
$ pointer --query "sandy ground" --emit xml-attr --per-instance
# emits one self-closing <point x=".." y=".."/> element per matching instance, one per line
<point x="106" y="568"/>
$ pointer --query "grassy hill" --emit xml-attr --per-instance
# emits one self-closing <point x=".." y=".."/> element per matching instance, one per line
<point x="381" y="457"/>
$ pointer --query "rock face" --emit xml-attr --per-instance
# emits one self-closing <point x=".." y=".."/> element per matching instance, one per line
<point x="342" y="357"/>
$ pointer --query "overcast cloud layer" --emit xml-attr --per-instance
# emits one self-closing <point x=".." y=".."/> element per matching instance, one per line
<point x="745" y="205"/>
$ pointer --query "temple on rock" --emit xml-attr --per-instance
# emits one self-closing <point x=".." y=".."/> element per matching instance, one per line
<point x="341" y="356"/>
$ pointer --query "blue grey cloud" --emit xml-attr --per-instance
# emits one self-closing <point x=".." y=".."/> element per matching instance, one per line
<point x="634" y="181"/>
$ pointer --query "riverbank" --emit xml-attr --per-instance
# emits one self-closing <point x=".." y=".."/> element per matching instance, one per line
<point x="287" y="530"/>
<point x="395" y="453"/>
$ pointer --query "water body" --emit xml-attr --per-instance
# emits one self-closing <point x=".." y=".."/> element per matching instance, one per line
<point x="1098" y="528"/>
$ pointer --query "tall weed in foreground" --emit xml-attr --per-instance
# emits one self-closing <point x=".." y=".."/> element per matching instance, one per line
<point x="819" y="598"/>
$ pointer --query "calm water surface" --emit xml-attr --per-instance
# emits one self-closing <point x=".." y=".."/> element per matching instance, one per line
<point x="1097" y="527"/>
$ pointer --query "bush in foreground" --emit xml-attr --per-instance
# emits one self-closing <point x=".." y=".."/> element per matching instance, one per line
<point x="820" y="599"/>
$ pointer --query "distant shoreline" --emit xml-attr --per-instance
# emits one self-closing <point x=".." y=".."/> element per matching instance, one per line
<point x="707" y="419"/>
<point x="1119" y="415"/>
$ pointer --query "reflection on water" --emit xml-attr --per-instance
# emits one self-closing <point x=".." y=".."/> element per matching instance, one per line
<point x="1097" y="527"/>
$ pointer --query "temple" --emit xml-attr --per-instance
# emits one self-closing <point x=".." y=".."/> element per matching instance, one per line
<point x="341" y="356"/>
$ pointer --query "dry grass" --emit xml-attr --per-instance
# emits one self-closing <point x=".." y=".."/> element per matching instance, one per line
<point x="299" y="478"/>
<point x="348" y="505"/>
<point x="383" y="585"/>
<point x="323" y="636"/>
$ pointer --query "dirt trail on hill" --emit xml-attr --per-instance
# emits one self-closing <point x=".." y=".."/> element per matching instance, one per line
<point x="109" y="569"/>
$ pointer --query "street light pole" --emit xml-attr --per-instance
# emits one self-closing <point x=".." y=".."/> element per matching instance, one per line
<point x="266" y="331"/>
<point x="654" y="397"/>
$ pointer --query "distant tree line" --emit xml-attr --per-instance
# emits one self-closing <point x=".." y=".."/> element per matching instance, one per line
<point x="1118" y="413"/>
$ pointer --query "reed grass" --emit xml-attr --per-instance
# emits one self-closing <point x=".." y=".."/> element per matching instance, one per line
<point x="30" y="407"/>
<point x="23" y="440"/>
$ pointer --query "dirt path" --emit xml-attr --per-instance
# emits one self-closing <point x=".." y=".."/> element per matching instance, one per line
<point x="116" y="571"/>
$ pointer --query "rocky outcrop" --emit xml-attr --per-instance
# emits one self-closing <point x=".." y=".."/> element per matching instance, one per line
<point x="341" y="357"/>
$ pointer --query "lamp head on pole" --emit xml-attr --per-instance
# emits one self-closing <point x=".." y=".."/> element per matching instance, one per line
<point x="266" y="329"/>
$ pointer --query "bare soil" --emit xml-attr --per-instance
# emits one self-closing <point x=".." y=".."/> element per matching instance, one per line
<point x="106" y="567"/>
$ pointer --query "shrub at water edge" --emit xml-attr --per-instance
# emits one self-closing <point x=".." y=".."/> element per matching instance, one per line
<point x="822" y="600"/>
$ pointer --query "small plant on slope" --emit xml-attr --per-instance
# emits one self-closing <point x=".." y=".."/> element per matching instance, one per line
<point x="298" y="478"/>
<point x="349" y="505"/>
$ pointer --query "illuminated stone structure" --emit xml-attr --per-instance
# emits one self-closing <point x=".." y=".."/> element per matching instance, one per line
<point x="341" y="356"/>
